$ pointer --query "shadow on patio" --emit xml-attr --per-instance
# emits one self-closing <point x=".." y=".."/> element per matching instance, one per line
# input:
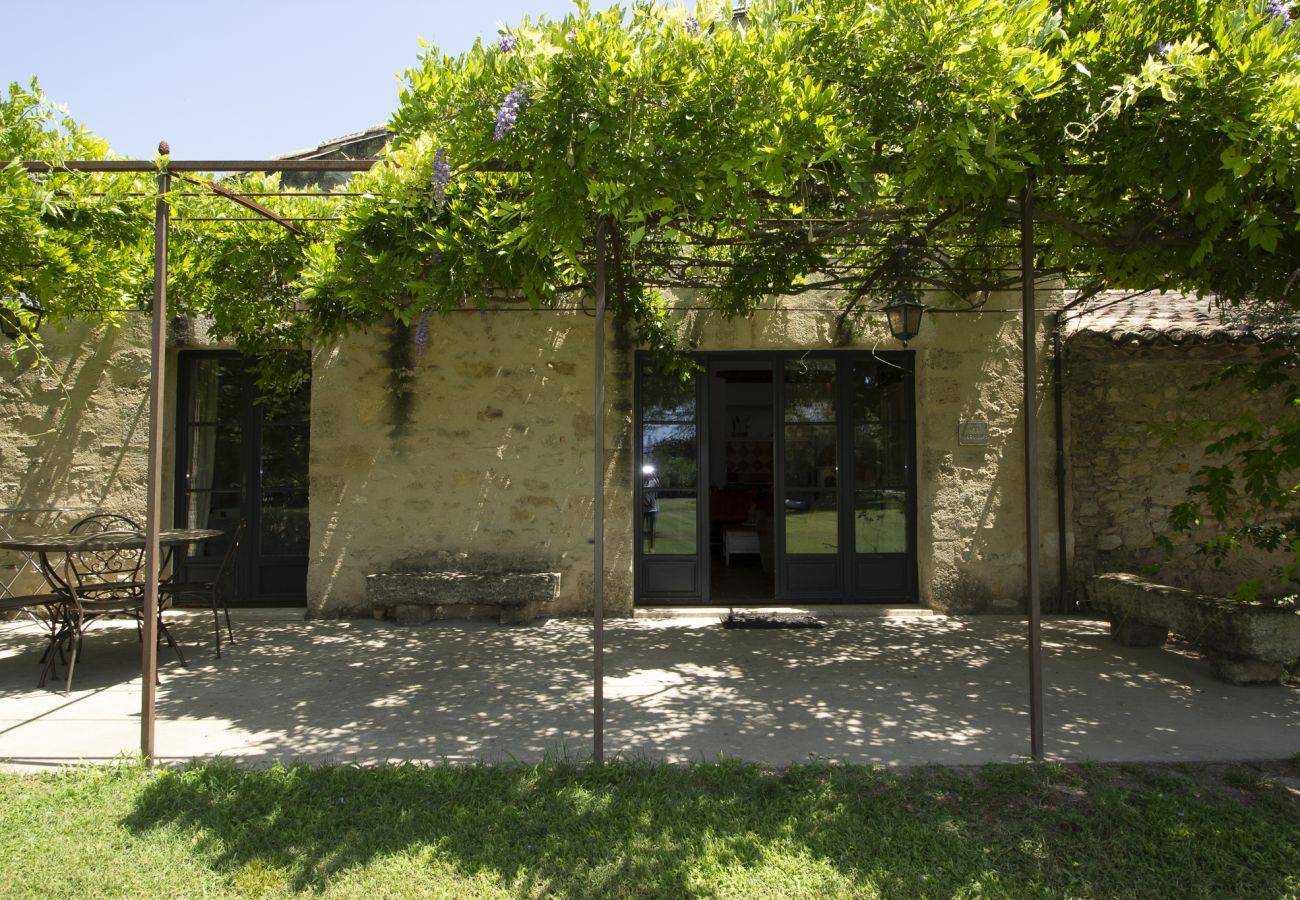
<point x="902" y="691"/>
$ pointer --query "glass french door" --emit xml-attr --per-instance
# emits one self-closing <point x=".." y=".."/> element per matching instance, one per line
<point x="845" y="489"/>
<point x="810" y="529"/>
<point x="672" y="536"/>
<point x="882" y="485"/>
<point x="241" y="461"/>
<point x="846" y="477"/>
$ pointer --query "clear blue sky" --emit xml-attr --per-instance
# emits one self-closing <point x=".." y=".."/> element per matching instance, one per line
<point x="239" y="78"/>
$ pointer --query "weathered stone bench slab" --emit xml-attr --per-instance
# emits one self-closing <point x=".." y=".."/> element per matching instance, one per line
<point x="1247" y="644"/>
<point x="414" y="598"/>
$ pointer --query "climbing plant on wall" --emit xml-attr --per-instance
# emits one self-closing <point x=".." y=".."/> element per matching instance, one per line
<point x="78" y="245"/>
<point x="827" y="145"/>
<point x="810" y="145"/>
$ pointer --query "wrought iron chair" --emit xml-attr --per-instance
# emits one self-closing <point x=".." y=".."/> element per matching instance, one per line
<point x="51" y="604"/>
<point x="44" y="610"/>
<point x="102" y="573"/>
<point x="217" y="591"/>
<point x="100" y="522"/>
<point x="104" y="522"/>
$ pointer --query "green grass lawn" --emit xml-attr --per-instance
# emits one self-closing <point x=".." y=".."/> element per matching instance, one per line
<point x="816" y="531"/>
<point x="675" y="527"/>
<point x="644" y="830"/>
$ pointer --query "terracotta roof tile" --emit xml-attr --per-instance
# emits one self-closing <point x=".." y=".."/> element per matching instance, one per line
<point x="1151" y="316"/>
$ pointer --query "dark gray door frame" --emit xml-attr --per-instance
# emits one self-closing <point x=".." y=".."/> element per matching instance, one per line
<point x="851" y="570"/>
<point x="671" y="577"/>
<point x="252" y="586"/>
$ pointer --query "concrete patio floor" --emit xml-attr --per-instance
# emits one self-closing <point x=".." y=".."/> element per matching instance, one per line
<point x="895" y="691"/>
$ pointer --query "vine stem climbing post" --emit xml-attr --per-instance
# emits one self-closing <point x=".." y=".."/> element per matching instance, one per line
<point x="1028" y="332"/>
<point x="153" y="501"/>
<point x="598" y="575"/>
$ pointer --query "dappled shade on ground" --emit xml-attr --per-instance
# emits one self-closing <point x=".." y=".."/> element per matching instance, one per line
<point x="895" y="691"/>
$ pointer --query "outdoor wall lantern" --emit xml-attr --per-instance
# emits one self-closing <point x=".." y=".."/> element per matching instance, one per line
<point x="10" y="324"/>
<point x="904" y="314"/>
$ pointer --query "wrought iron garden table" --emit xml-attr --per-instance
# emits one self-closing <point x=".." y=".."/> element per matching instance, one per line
<point x="47" y="547"/>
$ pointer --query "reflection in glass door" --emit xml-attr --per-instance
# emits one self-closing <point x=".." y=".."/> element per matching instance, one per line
<point x="844" y="511"/>
<point x="846" y="478"/>
<point x="238" y="460"/>
<point x="671" y="565"/>
<point x="884" y="557"/>
<point x="808" y="480"/>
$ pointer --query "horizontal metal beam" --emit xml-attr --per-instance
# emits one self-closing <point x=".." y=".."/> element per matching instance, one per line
<point x="301" y="165"/>
<point x="203" y="165"/>
<point x="279" y="220"/>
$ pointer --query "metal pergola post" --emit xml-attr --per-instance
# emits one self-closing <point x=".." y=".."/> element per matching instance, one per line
<point x="158" y="366"/>
<point x="1028" y="332"/>
<point x="153" y="497"/>
<point x="598" y="563"/>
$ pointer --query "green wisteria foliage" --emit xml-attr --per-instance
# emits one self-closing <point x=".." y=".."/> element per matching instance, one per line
<point x="825" y="144"/>
<point x="839" y="145"/>
<point x="805" y="145"/>
<point x="809" y="144"/>
<point x="72" y="244"/>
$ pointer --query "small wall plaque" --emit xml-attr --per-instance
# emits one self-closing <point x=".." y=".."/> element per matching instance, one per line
<point x="973" y="434"/>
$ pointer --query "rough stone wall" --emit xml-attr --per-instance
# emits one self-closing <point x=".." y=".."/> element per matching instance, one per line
<point x="971" y="522"/>
<point x="970" y="506"/>
<point x="1129" y="462"/>
<point x="75" y="433"/>
<point x="482" y="445"/>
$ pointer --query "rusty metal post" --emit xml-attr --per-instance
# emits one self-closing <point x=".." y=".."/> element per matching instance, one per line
<point x="153" y="500"/>
<point x="1031" y="468"/>
<point x="598" y="575"/>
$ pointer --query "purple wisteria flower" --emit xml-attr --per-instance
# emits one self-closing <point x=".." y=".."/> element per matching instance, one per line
<point x="421" y="338"/>
<point x="507" y="42"/>
<point x="441" y="177"/>
<point x="692" y="26"/>
<point x="508" y="113"/>
<point x="1163" y="48"/>
<point x="1279" y="9"/>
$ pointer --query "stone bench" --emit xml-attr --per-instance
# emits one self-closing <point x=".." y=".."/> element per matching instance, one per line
<point x="1246" y="643"/>
<point x="414" y="598"/>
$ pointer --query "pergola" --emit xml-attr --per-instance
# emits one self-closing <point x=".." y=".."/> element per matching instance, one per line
<point x="191" y="169"/>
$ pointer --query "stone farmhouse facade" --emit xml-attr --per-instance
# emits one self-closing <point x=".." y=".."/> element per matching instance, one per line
<point x="796" y="467"/>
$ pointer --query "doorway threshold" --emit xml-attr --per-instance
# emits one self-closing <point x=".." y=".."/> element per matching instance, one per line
<point x="825" y="611"/>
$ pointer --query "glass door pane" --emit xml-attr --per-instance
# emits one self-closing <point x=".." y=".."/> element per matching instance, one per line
<point x="811" y="457"/>
<point x="810" y="478"/>
<point x="883" y="491"/>
<point x="668" y="474"/>
<point x="669" y="488"/>
<point x="283" y="475"/>
<point x="277" y="503"/>
<point x="214" y="478"/>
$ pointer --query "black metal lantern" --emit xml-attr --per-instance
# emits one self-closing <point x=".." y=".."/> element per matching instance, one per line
<point x="11" y="325"/>
<point x="904" y="314"/>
